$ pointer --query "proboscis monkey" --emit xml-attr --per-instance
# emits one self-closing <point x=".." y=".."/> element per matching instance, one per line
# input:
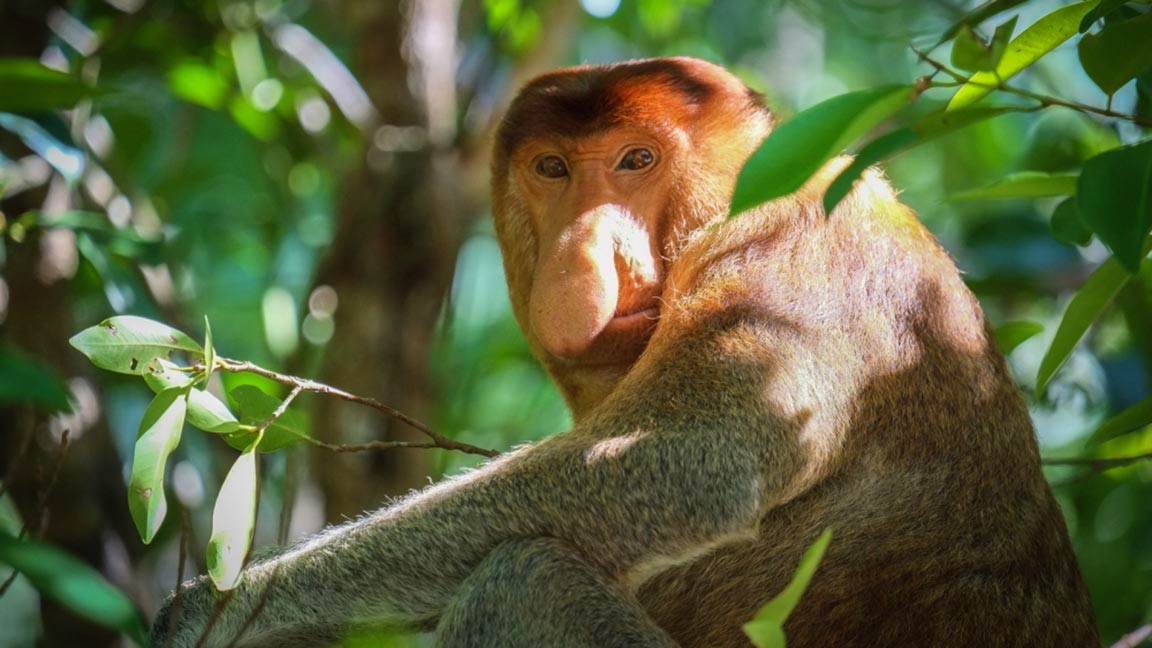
<point x="738" y="386"/>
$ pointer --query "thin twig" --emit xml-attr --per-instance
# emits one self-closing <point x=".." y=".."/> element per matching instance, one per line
<point x="41" y="512"/>
<point x="177" y="609"/>
<point x="215" y="618"/>
<point x="303" y="384"/>
<point x="1134" y="638"/>
<point x="1044" y="100"/>
<point x="263" y="601"/>
<point x="1092" y="465"/>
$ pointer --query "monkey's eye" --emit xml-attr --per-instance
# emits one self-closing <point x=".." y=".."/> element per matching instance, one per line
<point x="551" y="166"/>
<point x="636" y="159"/>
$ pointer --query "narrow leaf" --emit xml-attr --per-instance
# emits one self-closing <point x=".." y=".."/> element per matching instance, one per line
<point x="1114" y="199"/>
<point x="1119" y="52"/>
<point x="255" y="408"/>
<point x="926" y="129"/>
<point x="127" y="344"/>
<point x="26" y="381"/>
<point x="1026" y="184"/>
<point x="158" y="437"/>
<point x="1011" y="334"/>
<point x="1086" y="306"/>
<point x="1134" y="418"/>
<point x="1033" y="43"/>
<point x="73" y="584"/>
<point x="205" y="411"/>
<point x="233" y="520"/>
<point x="1066" y="225"/>
<point x="26" y="85"/>
<point x="209" y="352"/>
<point x="800" y="146"/>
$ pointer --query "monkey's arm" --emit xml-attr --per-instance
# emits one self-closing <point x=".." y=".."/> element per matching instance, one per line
<point x="649" y="478"/>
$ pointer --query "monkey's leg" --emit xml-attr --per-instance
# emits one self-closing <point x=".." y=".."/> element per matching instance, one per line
<point x="539" y="593"/>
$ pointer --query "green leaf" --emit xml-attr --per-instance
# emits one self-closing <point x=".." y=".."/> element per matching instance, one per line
<point x="800" y="146"/>
<point x="776" y="611"/>
<point x="209" y="352"/>
<point x="1066" y="225"/>
<point x="1027" y="48"/>
<point x="121" y="242"/>
<point x="158" y="436"/>
<point x="1103" y="9"/>
<point x="25" y="381"/>
<point x="26" y="85"/>
<point x="1118" y="53"/>
<point x="1011" y="334"/>
<point x="1134" y="418"/>
<point x="977" y="16"/>
<point x="205" y="411"/>
<point x="1086" y="306"/>
<point x="198" y="84"/>
<point x="971" y="53"/>
<point x="926" y="129"/>
<point x="255" y="407"/>
<point x="1114" y="199"/>
<point x="1025" y="184"/>
<point x="126" y="344"/>
<point x="73" y="584"/>
<point x="233" y="520"/>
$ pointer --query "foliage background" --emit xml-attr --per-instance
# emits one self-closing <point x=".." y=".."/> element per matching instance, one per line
<point x="312" y="176"/>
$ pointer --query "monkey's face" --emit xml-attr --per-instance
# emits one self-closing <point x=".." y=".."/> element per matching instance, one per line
<point x="599" y="176"/>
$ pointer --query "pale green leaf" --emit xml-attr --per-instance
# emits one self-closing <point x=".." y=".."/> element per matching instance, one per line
<point x="1086" y="306"/>
<point x="765" y="633"/>
<point x="209" y="352"/>
<point x="1033" y="43"/>
<point x="1026" y="184"/>
<point x="158" y="436"/>
<point x="205" y="411"/>
<point x="782" y="605"/>
<point x="233" y="520"/>
<point x="73" y="584"/>
<point x="800" y="146"/>
<point x="127" y="344"/>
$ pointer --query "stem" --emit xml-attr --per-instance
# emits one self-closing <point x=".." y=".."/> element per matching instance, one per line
<point x="299" y="385"/>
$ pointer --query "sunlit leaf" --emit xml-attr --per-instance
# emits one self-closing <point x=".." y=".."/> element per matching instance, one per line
<point x="800" y="146"/>
<point x="1033" y="43"/>
<point x="255" y="408"/>
<point x="126" y="343"/>
<point x="1066" y="225"/>
<point x="158" y="436"/>
<point x="1114" y="199"/>
<point x="118" y="241"/>
<point x="25" y="381"/>
<point x="209" y="351"/>
<point x="1026" y="184"/>
<point x="199" y="84"/>
<point x="205" y="411"/>
<point x="1134" y="418"/>
<point x="73" y="584"/>
<point x="1086" y="306"/>
<point x="26" y="85"/>
<point x="926" y="129"/>
<point x="1119" y="52"/>
<point x="233" y="520"/>
<point x="762" y="630"/>
<point x="1011" y="334"/>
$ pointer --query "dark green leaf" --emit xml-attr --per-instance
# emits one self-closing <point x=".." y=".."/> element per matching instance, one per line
<point x="772" y="616"/>
<point x="1136" y="417"/>
<point x="1066" y="224"/>
<point x="1026" y="184"/>
<point x="1103" y="9"/>
<point x="158" y="436"/>
<point x="205" y="411"/>
<point x="1033" y="43"/>
<point x="26" y="85"/>
<point x="970" y="52"/>
<point x="233" y="519"/>
<point x="73" y="584"/>
<point x="121" y="242"/>
<point x="1086" y="306"/>
<point x="977" y="16"/>
<point x="883" y="147"/>
<point x="25" y="381"/>
<point x="127" y="344"/>
<point x="1011" y="334"/>
<point x="1114" y="199"/>
<point x="255" y="408"/>
<point x="1118" y="53"/>
<point x="800" y="146"/>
